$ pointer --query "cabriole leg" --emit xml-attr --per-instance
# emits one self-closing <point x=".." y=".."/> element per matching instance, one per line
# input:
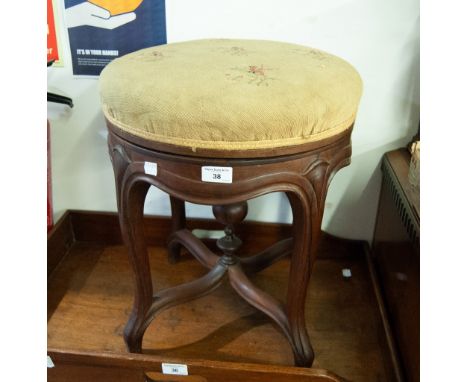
<point x="306" y="228"/>
<point x="131" y="224"/>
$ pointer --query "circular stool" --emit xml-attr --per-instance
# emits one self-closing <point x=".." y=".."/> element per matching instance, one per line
<point x="218" y="122"/>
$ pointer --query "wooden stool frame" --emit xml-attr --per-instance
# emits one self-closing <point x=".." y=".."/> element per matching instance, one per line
<point x="303" y="172"/>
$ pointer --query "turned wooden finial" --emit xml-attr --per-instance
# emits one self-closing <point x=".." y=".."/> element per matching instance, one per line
<point x="229" y="215"/>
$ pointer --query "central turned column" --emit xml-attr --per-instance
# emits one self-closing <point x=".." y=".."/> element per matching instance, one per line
<point x="229" y="215"/>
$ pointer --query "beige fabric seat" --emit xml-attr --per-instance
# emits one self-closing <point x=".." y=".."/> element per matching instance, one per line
<point x="230" y="94"/>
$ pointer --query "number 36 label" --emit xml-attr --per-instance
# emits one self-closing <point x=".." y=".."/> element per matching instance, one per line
<point x="216" y="174"/>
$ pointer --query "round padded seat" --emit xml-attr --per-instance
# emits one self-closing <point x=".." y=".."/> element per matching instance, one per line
<point x="229" y="95"/>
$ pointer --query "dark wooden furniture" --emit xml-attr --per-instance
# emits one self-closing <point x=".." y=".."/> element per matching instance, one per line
<point x="219" y="337"/>
<point x="273" y="116"/>
<point x="396" y="253"/>
<point x="303" y="172"/>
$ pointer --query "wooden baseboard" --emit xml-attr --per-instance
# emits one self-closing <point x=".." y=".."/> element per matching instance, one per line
<point x="59" y="240"/>
<point x="103" y="228"/>
<point x="92" y="226"/>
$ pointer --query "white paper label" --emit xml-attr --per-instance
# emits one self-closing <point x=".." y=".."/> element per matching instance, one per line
<point x="346" y="272"/>
<point x="216" y="174"/>
<point x="151" y="168"/>
<point x="50" y="364"/>
<point x="174" y="369"/>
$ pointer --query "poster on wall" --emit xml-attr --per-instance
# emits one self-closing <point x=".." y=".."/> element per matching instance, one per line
<point x="102" y="30"/>
<point x="52" y="45"/>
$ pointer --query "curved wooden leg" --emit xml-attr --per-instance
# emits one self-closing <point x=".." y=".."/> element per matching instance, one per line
<point x="130" y="204"/>
<point x="259" y="299"/>
<point x="194" y="245"/>
<point x="178" y="223"/>
<point x="306" y="228"/>
<point x="179" y="294"/>
<point x="264" y="259"/>
<point x="132" y="198"/>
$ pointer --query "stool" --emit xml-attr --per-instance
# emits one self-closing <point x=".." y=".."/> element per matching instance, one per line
<point x="218" y="122"/>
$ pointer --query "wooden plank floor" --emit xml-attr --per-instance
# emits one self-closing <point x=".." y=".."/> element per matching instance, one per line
<point x="90" y="297"/>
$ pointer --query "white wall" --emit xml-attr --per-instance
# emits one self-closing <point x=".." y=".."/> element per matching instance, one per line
<point x="380" y="38"/>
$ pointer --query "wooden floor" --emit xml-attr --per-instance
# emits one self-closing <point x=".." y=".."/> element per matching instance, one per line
<point x="90" y="297"/>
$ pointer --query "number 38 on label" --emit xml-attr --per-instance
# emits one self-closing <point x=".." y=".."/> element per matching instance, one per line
<point x="216" y="174"/>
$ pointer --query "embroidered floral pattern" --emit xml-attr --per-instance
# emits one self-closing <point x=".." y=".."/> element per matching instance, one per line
<point x="259" y="70"/>
<point x="253" y="74"/>
<point x="233" y="51"/>
<point x="238" y="51"/>
<point x="152" y="55"/>
<point x="157" y="54"/>
<point x="317" y="54"/>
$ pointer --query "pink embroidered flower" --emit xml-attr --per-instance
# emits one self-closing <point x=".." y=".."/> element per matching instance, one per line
<point x="259" y="70"/>
<point x="253" y="74"/>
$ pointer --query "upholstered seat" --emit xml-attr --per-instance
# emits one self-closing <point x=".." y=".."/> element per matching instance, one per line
<point x="230" y="94"/>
